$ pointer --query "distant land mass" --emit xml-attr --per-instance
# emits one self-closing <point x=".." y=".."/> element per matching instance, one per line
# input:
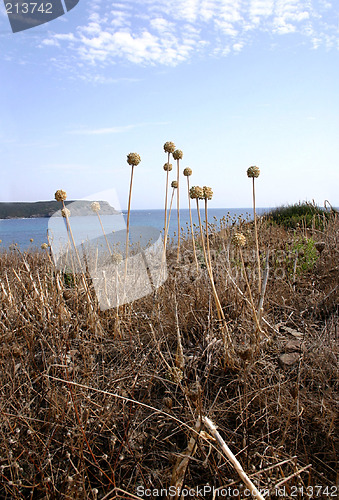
<point x="30" y="210"/>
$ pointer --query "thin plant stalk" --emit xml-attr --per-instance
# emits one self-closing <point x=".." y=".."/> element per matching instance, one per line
<point x="103" y="230"/>
<point x="207" y="238"/>
<point x="178" y="211"/>
<point x="231" y="457"/>
<point x="127" y="224"/>
<point x="216" y="298"/>
<point x="255" y="315"/>
<point x="167" y="223"/>
<point x="192" y="230"/>
<point x="166" y="195"/>
<point x="70" y="233"/>
<point x="116" y="325"/>
<point x="256" y="238"/>
<point x="227" y="340"/>
<point x="163" y="258"/>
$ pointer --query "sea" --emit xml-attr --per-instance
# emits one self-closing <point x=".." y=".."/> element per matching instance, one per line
<point x="30" y="234"/>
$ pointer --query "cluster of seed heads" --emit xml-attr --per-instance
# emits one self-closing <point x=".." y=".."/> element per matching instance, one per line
<point x="168" y="167"/>
<point x="133" y="159"/>
<point x="116" y="258"/>
<point x="95" y="206"/>
<point x="178" y="154"/>
<point x="197" y="192"/>
<point x="65" y="213"/>
<point x="253" y="172"/>
<point x="239" y="240"/>
<point x="44" y="246"/>
<point x="169" y="147"/>
<point x="208" y="193"/>
<point x="60" y="195"/>
<point x="187" y="172"/>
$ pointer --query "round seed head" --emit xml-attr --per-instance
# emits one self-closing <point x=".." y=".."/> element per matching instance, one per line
<point x="168" y="167"/>
<point x="31" y="240"/>
<point x="95" y="206"/>
<point x="116" y="258"/>
<point x="60" y="195"/>
<point x="199" y="192"/>
<point x="192" y="193"/>
<point x="253" y="172"/>
<point x="133" y="159"/>
<point x="65" y="213"/>
<point x="169" y="147"/>
<point x="187" y="172"/>
<point x="239" y="240"/>
<point x="174" y="184"/>
<point x="176" y="375"/>
<point x="178" y="154"/>
<point x="44" y="246"/>
<point x="196" y="192"/>
<point x="208" y="193"/>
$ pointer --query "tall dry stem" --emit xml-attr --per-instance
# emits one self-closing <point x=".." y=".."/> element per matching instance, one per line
<point x="127" y="223"/>
<point x="256" y="237"/>
<point x="177" y="155"/>
<point x="207" y="237"/>
<point x="178" y="212"/>
<point x="191" y="222"/>
<point x="166" y="194"/>
<point x="83" y="277"/>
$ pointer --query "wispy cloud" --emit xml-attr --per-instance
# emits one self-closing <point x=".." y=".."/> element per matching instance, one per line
<point x="153" y="32"/>
<point x="68" y="167"/>
<point x="112" y="130"/>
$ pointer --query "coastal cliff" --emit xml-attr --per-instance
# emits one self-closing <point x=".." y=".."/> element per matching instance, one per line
<point x="30" y="210"/>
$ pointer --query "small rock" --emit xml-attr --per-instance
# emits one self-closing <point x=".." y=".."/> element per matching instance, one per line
<point x="294" y="345"/>
<point x="320" y="245"/>
<point x="289" y="359"/>
<point x="292" y="331"/>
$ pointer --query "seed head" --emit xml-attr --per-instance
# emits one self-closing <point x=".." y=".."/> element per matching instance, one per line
<point x="44" y="246"/>
<point x="169" y="147"/>
<point x="197" y="192"/>
<point x="95" y="206"/>
<point x="65" y="213"/>
<point x="133" y="159"/>
<point x="116" y="258"/>
<point x="174" y="184"/>
<point x="208" y="193"/>
<point x="168" y="167"/>
<point x="60" y="195"/>
<point x="178" y="154"/>
<point x="253" y="172"/>
<point x="31" y="240"/>
<point x="187" y="172"/>
<point x="239" y="240"/>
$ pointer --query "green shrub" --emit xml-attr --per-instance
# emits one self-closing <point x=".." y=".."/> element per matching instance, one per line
<point x="305" y="253"/>
<point x="303" y="214"/>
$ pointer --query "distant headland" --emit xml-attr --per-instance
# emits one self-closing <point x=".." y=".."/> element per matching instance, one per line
<point x="31" y="210"/>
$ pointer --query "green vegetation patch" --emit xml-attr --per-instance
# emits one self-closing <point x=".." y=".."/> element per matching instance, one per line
<point x="304" y="214"/>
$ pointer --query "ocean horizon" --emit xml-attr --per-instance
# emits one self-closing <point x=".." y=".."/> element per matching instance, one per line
<point x="21" y="231"/>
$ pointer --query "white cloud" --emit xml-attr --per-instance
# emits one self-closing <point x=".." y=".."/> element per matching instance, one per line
<point x="113" y="130"/>
<point x="151" y="32"/>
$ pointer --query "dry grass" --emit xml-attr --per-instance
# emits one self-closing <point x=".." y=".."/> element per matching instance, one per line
<point x="85" y="414"/>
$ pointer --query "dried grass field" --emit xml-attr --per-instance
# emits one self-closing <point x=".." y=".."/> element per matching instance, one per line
<point x="113" y="404"/>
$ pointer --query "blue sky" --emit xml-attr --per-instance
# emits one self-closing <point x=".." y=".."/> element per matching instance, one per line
<point x="233" y="83"/>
